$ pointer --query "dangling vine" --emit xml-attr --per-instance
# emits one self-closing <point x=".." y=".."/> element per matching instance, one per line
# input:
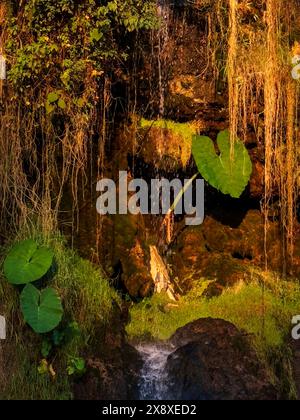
<point x="60" y="57"/>
<point x="263" y="95"/>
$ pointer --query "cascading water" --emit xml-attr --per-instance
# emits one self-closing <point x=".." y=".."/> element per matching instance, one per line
<point x="153" y="383"/>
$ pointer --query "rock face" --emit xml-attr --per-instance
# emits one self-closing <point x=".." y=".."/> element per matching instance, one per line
<point x="214" y="361"/>
<point x="177" y="84"/>
<point x="113" y="366"/>
<point x="225" y="254"/>
<point x="111" y="379"/>
<point x="165" y="148"/>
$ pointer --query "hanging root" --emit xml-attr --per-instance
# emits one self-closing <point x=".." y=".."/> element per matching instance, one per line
<point x="263" y="95"/>
<point x="254" y="39"/>
<point x="42" y="153"/>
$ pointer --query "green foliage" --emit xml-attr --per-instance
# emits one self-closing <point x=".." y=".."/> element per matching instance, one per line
<point x="67" y="43"/>
<point x="46" y="348"/>
<point x="43" y="367"/>
<point x="95" y="35"/>
<point x="228" y="173"/>
<point x="53" y="101"/>
<point x="42" y="310"/>
<point x="60" y="337"/>
<point x="88" y="300"/>
<point x="76" y="366"/>
<point x="66" y="335"/>
<point x="27" y="262"/>
<point x="52" y="97"/>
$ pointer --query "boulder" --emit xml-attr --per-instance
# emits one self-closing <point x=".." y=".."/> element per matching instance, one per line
<point x="214" y="361"/>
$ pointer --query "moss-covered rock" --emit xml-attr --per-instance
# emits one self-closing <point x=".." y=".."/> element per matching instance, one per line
<point x="166" y="144"/>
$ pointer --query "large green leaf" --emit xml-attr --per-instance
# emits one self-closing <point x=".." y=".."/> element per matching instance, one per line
<point x="228" y="173"/>
<point x="41" y="310"/>
<point x="26" y="262"/>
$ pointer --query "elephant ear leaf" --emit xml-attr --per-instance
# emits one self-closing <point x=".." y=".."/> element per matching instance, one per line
<point x="41" y="310"/>
<point x="227" y="172"/>
<point x="27" y="262"/>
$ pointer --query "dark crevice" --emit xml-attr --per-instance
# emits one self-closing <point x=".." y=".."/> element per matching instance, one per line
<point x="239" y="256"/>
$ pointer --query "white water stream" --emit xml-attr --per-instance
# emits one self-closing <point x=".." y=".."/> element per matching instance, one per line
<point x="153" y="384"/>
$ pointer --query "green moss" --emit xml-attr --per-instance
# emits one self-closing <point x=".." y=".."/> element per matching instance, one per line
<point x="85" y="290"/>
<point x="26" y="383"/>
<point x="243" y="308"/>
<point x="185" y="130"/>
<point x="170" y="143"/>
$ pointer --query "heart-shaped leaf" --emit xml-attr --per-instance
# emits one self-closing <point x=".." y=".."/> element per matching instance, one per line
<point x="27" y="262"/>
<point x="41" y="310"/>
<point x="228" y="173"/>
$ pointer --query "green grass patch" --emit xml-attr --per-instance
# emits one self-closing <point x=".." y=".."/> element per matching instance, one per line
<point x="242" y="306"/>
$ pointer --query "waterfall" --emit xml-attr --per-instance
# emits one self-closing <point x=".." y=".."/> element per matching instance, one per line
<point x="153" y="383"/>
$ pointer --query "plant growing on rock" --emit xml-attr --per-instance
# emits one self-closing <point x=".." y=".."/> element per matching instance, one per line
<point x="60" y="337"/>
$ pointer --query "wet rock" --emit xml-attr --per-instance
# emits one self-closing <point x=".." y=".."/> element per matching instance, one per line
<point x="295" y="345"/>
<point x="226" y="271"/>
<point x="189" y="81"/>
<point x="245" y="242"/>
<point x="136" y="276"/>
<point x="214" y="361"/>
<point x="188" y="92"/>
<point x="191" y="261"/>
<point x="208" y="252"/>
